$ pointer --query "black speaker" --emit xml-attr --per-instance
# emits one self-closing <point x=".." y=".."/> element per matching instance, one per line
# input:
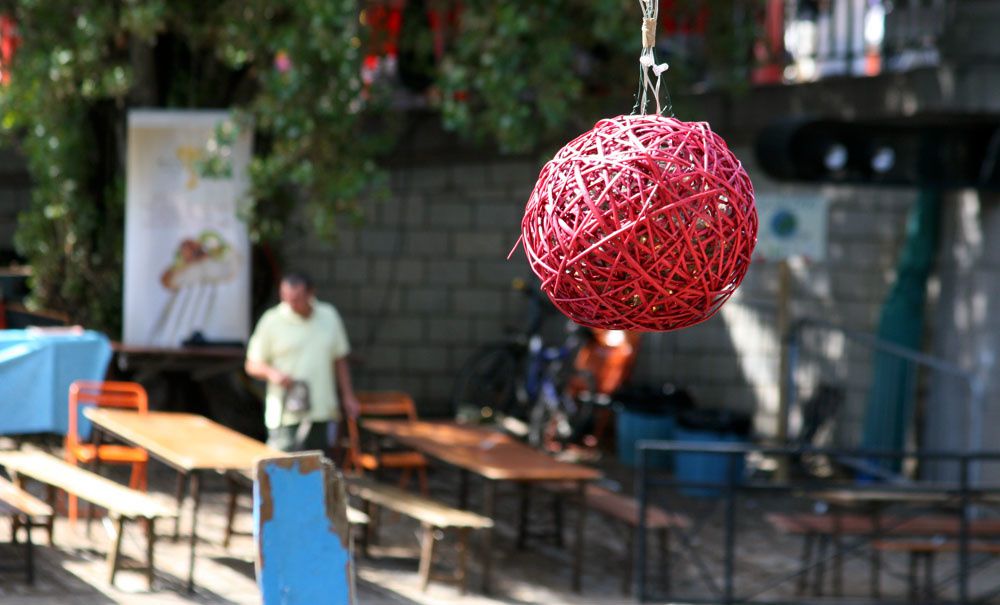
<point x="959" y="151"/>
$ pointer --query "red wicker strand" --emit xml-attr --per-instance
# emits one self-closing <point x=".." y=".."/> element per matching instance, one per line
<point x="642" y="223"/>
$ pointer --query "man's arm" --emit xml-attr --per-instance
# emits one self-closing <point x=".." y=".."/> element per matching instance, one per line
<point x="263" y="371"/>
<point x="347" y="397"/>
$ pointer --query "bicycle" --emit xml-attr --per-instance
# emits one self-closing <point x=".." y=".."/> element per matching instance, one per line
<point x="543" y="392"/>
<point x="500" y="379"/>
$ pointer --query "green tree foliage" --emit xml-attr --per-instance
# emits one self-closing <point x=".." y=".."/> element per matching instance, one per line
<point x="518" y="73"/>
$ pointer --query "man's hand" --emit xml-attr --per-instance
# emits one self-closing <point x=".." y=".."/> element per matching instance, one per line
<point x="279" y="377"/>
<point x="351" y="405"/>
<point x="262" y="371"/>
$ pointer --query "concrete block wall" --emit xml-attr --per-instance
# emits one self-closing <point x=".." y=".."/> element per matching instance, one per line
<point x="426" y="281"/>
<point x="732" y="360"/>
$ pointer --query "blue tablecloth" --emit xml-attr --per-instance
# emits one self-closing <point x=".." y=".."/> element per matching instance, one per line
<point x="36" y="371"/>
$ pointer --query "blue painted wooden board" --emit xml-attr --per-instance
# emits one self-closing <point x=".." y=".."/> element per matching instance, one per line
<point x="301" y="532"/>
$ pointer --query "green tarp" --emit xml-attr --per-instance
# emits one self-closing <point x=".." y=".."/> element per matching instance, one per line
<point x="893" y="389"/>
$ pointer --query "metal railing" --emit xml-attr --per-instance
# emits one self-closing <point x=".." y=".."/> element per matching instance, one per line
<point x="822" y="352"/>
<point x="825" y="38"/>
<point x="964" y="500"/>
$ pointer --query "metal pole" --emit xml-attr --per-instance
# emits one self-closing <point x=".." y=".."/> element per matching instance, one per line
<point x="784" y="385"/>
<point x="963" y="534"/>
<point x="640" y="538"/>
<point x="730" y="554"/>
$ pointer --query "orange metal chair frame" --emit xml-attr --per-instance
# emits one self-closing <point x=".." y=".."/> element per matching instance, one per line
<point x="386" y="404"/>
<point x="105" y="394"/>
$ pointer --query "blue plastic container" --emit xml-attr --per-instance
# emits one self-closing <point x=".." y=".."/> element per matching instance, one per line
<point x="706" y="468"/>
<point x="632" y="426"/>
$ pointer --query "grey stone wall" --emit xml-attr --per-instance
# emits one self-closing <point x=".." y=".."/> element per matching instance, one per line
<point x="732" y="360"/>
<point x="426" y="280"/>
<point x="966" y="327"/>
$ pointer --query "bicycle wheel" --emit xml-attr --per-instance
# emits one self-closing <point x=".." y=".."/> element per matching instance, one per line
<point x="488" y="383"/>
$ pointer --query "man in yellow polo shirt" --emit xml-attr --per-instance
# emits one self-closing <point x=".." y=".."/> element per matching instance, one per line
<point x="300" y="348"/>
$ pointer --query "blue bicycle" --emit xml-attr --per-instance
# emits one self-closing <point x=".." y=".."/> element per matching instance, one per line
<point x="521" y="381"/>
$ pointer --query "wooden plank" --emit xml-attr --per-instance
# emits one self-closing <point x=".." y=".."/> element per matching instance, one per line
<point x="21" y="502"/>
<point x="90" y="487"/>
<point x="185" y="441"/>
<point x="492" y="454"/>
<point x="626" y="509"/>
<point x="413" y="505"/>
<point x="934" y="546"/>
<point x="854" y="524"/>
<point x="301" y="532"/>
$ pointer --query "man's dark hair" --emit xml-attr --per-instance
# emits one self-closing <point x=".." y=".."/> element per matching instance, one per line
<point x="298" y="278"/>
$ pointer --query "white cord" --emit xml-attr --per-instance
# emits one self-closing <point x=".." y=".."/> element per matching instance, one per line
<point x="647" y="63"/>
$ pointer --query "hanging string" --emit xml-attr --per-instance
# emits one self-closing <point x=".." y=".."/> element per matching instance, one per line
<point x="650" y="71"/>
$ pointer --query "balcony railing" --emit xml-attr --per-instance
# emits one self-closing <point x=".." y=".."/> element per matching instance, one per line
<point x="806" y="40"/>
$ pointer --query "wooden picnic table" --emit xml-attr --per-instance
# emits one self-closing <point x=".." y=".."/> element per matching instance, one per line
<point x="874" y="502"/>
<point x="189" y="443"/>
<point x="496" y="457"/>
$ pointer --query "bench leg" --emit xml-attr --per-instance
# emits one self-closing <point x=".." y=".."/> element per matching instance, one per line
<point x="195" y="501"/>
<point x="820" y="569"/>
<point x="463" y="558"/>
<point x="115" y="550"/>
<point x="371" y="530"/>
<point x="665" y="558"/>
<point x="557" y="518"/>
<point x="629" y="557"/>
<point x="581" y="519"/>
<point x="522" y="520"/>
<point x="929" y="577"/>
<point x="150" y="542"/>
<point x="838" y="565"/>
<point x="489" y="511"/>
<point x="426" y="554"/>
<point x="802" y="582"/>
<point x="29" y="551"/>
<point x="911" y="577"/>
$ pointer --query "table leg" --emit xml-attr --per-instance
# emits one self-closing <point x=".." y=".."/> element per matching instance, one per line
<point x="230" y="509"/>
<point x="876" y="555"/>
<point x="195" y="497"/>
<point x="98" y="440"/>
<point x="581" y="503"/>
<point x="182" y="480"/>
<point x="522" y="524"/>
<point x="489" y="509"/>
<point x="463" y="489"/>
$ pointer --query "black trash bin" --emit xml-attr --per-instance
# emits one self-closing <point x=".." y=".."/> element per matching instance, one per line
<point x="708" y="469"/>
<point x="647" y="412"/>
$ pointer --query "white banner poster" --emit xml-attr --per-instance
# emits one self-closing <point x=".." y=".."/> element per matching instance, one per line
<point x="187" y="254"/>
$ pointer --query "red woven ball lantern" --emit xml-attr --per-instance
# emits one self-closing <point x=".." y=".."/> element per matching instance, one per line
<point x="642" y="223"/>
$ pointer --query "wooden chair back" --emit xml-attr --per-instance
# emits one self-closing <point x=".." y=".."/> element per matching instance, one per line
<point x="381" y="404"/>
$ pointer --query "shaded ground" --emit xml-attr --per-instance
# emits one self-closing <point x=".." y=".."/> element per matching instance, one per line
<point x="74" y="571"/>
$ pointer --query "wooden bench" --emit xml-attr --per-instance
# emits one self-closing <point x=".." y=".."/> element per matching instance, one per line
<point x="819" y="530"/>
<point x="23" y="508"/>
<point x="122" y="503"/>
<point x="431" y="514"/>
<point x="237" y="478"/>
<point x="924" y="550"/>
<point x="624" y="509"/>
